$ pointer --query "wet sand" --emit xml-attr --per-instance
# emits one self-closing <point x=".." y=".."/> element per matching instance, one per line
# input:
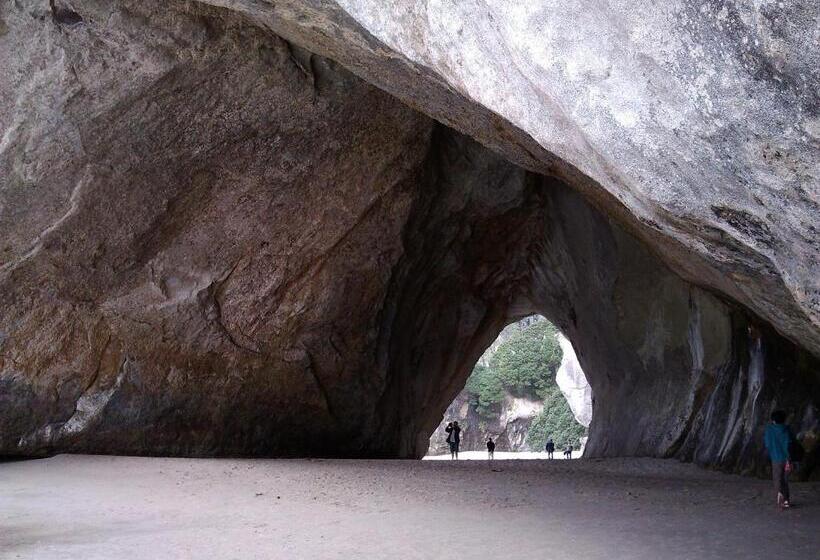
<point x="85" y="507"/>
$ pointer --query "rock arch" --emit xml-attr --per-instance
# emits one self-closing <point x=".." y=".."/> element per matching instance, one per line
<point x="219" y="243"/>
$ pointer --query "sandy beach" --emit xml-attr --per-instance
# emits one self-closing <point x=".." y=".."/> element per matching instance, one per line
<point x="99" y="507"/>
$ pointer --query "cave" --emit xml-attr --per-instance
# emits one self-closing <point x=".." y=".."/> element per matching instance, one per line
<point x="231" y="231"/>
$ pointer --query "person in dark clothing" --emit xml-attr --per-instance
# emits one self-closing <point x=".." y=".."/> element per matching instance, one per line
<point x="777" y="439"/>
<point x="453" y="438"/>
<point x="490" y="448"/>
<point x="550" y="448"/>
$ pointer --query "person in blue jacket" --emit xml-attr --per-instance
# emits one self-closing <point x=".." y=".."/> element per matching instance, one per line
<point x="777" y="439"/>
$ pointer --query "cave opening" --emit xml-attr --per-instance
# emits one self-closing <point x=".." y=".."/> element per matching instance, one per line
<point x="672" y="366"/>
<point x="526" y="389"/>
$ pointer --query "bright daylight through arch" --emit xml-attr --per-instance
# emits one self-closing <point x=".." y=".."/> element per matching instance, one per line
<point x="526" y="389"/>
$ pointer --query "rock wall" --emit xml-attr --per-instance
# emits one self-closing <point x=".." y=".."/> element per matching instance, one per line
<point x="573" y="383"/>
<point x="693" y="124"/>
<point x="185" y="199"/>
<point x="216" y="242"/>
<point x="630" y="318"/>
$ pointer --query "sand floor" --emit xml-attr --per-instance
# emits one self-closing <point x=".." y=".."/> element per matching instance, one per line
<point x="500" y="455"/>
<point x="83" y="507"/>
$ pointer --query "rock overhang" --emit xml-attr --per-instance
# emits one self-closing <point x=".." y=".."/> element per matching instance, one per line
<point x="466" y="240"/>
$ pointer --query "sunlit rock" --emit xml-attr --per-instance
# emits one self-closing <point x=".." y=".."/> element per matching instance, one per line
<point x="573" y="383"/>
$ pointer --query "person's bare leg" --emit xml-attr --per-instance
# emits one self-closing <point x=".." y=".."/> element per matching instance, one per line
<point x="778" y="478"/>
<point x="784" y="487"/>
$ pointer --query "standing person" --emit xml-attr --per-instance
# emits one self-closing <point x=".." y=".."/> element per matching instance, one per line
<point x="568" y="452"/>
<point x="777" y="439"/>
<point x="490" y="448"/>
<point x="550" y="448"/>
<point x="453" y="438"/>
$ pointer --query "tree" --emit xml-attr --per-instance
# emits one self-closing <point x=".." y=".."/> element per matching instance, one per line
<point x="555" y="421"/>
<point x="526" y="362"/>
<point x="524" y="365"/>
<point x="485" y="389"/>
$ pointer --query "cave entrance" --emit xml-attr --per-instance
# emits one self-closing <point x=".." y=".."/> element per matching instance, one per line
<point x="525" y="388"/>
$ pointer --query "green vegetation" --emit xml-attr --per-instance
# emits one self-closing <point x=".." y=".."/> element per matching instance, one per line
<point x="486" y="389"/>
<point x="555" y="421"/>
<point x="524" y="366"/>
<point x="526" y="362"/>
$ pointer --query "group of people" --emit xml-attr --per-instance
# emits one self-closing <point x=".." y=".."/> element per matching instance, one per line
<point x="453" y="431"/>
<point x="783" y="448"/>
<point x="550" y="449"/>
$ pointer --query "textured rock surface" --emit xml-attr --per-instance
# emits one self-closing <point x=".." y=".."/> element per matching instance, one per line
<point x="189" y="214"/>
<point x="573" y="383"/>
<point x="697" y="124"/>
<point x="215" y="242"/>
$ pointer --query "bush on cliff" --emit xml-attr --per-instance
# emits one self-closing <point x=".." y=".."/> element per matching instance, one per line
<point x="526" y="362"/>
<point x="555" y="421"/>
<point x="523" y="366"/>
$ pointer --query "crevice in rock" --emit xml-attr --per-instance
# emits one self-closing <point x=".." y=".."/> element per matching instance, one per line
<point x="63" y="15"/>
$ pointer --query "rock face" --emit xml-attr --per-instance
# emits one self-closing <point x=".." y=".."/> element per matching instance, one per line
<point x="185" y="200"/>
<point x="216" y="242"/>
<point x="696" y="124"/>
<point x="509" y="429"/>
<point x="573" y="383"/>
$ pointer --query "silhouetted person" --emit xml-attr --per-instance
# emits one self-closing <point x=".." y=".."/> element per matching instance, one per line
<point x="490" y="448"/>
<point x="453" y="438"/>
<point x="777" y="439"/>
<point x="568" y="452"/>
<point x="550" y="448"/>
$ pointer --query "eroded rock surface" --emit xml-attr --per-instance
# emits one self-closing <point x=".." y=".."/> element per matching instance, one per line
<point x="190" y="209"/>
<point x="573" y="383"/>
<point x="215" y="242"/>
<point x="696" y="124"/>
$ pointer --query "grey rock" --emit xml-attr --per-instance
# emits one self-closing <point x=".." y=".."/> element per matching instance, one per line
<point x="573" y="383"/>
<point x="695" y="124"/>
